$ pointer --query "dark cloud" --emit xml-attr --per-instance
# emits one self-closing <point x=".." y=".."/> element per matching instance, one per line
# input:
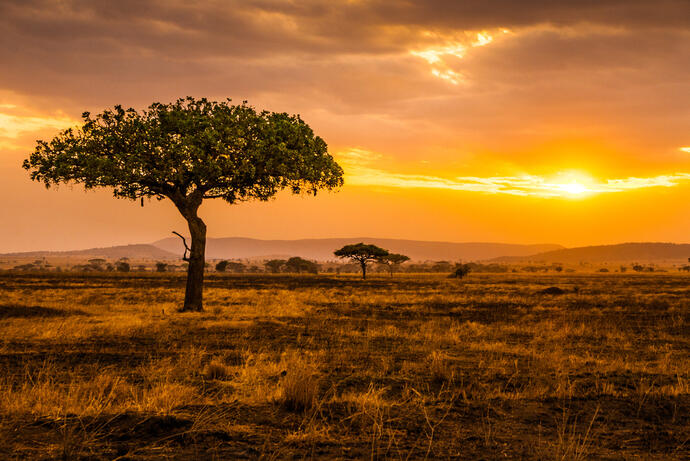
<point x="600" y="63"/>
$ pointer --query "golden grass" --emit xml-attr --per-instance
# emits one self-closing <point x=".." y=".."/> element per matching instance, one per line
<point x="329" y="367"/>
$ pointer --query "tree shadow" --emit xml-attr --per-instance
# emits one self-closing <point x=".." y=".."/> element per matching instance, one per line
<point x="9" y="311"/>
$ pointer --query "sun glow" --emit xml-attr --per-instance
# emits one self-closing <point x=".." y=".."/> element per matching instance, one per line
<point x="360" y="170"/>
<point x="573" y="188"/>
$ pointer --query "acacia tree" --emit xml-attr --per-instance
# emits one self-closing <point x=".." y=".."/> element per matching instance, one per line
<point x="361" y="253"/>
<point x="392" y="260"/>
<point x="188" y="151"/>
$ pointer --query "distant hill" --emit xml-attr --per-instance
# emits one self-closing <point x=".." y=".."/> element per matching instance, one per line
<point x="141" y="251"/>
<point x="624" y="252"/>
<point x="322" y="249"/>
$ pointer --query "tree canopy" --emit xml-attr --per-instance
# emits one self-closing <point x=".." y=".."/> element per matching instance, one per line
<point x="188" y="151"/>
<point x="392" y="260"/>
<point x="190" y="147"/>
<point x="299" y="265"/>
<point x="274" y="265"/>
<point x="361" y="253"/>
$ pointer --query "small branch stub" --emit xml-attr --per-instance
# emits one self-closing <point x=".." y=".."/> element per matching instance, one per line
<point x="186" y="248"/>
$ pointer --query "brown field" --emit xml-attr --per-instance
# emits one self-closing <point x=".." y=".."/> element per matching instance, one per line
<point x="101" y="366"/>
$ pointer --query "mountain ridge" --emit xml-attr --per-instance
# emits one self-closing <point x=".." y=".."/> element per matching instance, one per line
<point x="418" y="250"/>
<point x="133" y="251"/>
<point x="621" y="252"/>
<point x="322" y="249"/>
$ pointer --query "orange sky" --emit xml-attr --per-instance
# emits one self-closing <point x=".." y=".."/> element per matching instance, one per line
<point x="547" y="122"/>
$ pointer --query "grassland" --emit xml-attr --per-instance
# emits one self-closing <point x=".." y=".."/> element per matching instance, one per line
<point x="489" y="367"/>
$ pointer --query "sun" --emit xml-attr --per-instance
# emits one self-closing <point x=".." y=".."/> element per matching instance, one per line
<point x="573" y="188"/>
<point x="571" y="183"/>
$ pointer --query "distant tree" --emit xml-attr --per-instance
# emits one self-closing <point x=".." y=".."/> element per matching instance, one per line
<point x="97" y="263"/>
<point x="235" y="267"/>
<point x="623" y="268"/>
<point x="492" y="268"/>
<point x="222" y="265"/>
<point x="275" y="265"/>
<point x="188" y="151"/>
<point x="161" y="267"/>
<point x="25" y="267"/>
<point x="361" y="253"/>
<point x="122" y="266"/>
<point x="299" y="265"/>
<point x="461" y="270"/>
<point x="417" y="268"/>
<point x="442" y="266"/>
<point x="637" y="268"/>
<point x="392" y="261"/>
<point x="685" y="268"/>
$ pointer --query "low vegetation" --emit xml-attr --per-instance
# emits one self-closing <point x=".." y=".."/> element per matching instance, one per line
<point x="100" y="365"/>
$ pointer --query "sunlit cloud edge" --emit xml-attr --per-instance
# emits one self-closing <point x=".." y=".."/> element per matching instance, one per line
<point x="558" y="186"/>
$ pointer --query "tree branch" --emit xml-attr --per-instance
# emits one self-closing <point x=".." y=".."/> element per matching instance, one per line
<point x="186" y="248"/>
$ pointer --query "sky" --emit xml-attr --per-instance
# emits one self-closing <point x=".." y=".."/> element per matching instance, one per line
<point x="490" y="120"/>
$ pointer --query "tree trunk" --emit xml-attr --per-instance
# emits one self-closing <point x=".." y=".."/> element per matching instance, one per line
<point x="364" y="269"/>
<point x="188" y="206"/>
<point x="194" y="293"/>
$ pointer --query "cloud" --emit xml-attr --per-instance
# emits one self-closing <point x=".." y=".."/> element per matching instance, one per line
<point x="18" y="122"/>
<point x="566" y="184"/>
<point x="442" y="73"/>
<point x="12" y="126"/>
<point x="437" y="56"/>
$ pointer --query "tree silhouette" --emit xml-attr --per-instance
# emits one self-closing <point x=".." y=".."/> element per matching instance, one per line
<point x="235" y="267"/>
<point x="221" y="266"/>
<point x="361" y="253"/>
<point x="188" y="151"/>
<point x="460" y="270"/>
<point x="122" y="266"/>
<point x="274" y="265"/>
<point x="299" y="265"/>
<point x="392" y="260"/>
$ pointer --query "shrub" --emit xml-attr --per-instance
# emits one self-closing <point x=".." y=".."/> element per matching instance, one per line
<point x="215" y="370"/>
<point x="122" y="266"/>
<point x="460" y="271"/>
<point x="299" y="390"/>
<point x="299" y="385"/>
<point x="440" y="368"/>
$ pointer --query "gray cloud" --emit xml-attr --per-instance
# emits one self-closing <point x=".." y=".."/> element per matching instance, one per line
<point x="602" y="63"/>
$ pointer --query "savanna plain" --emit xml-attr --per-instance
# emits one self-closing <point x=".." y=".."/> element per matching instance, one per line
<point x="101" y="366"/>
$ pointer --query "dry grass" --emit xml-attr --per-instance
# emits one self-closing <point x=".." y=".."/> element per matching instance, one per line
<point x="333" y="367"/>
